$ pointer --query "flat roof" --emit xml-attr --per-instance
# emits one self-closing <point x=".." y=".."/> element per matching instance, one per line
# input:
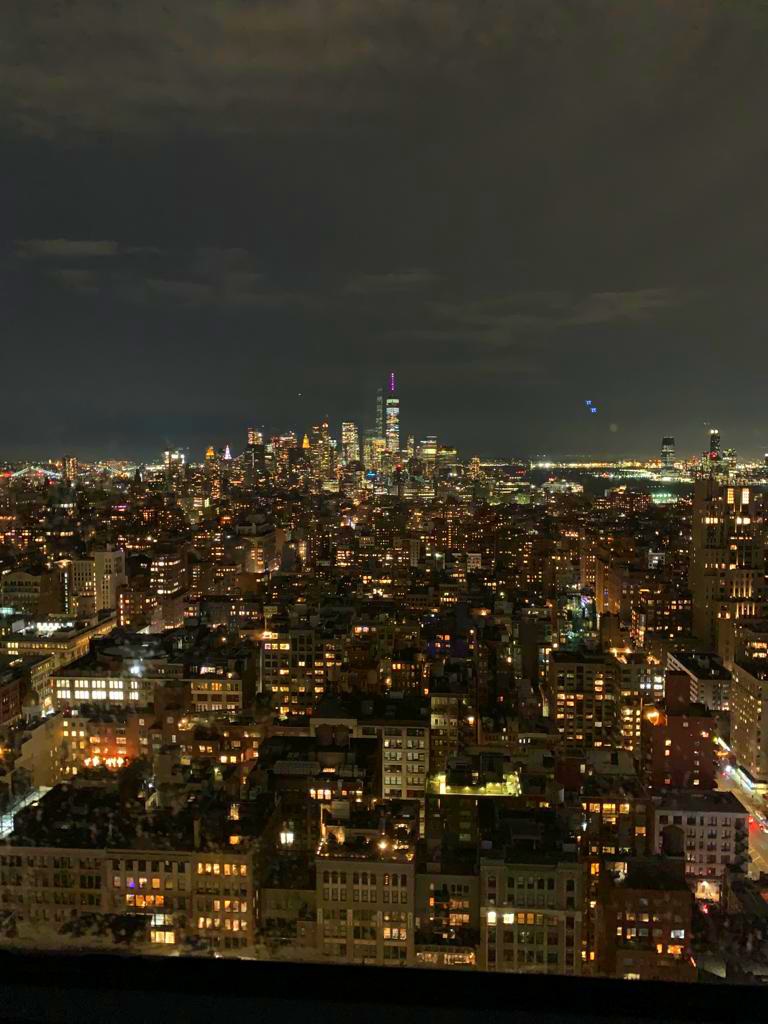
<point x="701" y="665"/>
<point x="706" y="800"/>
<point x="757" y="667"/>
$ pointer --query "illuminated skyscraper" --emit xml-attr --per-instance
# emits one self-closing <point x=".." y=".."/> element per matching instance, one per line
<point x="174" y="457"/>
<point x="213" y="472"/>
<point x="281" y="453"/>
<point x="373" y="446"/>
<point x="350" y="443"/>
<point x="392" y="417"/>
<point x="69" y="467"/>
<point x="727" y="570"/>
<point x="174" y="461"/>
<point x="667" y="452"/>
<point x="321" y="452"/>
<point x="255" y="436"/>
<point x="379" y="427"/>
<point x="714" y="445"/>
<point x="428" y="453"/>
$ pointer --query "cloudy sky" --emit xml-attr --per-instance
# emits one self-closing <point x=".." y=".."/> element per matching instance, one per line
<point x="222" y="212"/>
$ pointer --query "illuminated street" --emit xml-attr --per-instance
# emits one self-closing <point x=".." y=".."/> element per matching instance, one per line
<point x="758" y="840"/>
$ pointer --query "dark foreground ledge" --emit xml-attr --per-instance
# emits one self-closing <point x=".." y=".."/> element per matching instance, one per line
<point x="132" y="989"/>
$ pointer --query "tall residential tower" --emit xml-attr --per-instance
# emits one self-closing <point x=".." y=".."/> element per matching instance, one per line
<point x="727" y="569"/>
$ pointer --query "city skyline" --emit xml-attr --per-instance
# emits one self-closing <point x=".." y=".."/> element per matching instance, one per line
<point x="383" y="427"/>
<point x="238" y="439"/>
<point x="194" y="234"/>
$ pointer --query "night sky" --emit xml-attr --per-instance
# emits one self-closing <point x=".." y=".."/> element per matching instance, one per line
<point x="223" y="212"/>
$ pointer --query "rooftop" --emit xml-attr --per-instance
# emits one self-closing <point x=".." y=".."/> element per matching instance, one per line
<point x="664" y="874"/>
<point x="523" y="836"/>
<point x="756" y="667"/>
<point x="617" y="786"/>
<point x="384" y="849"/>
<point x="101" y="811"/>
<point x="702" y="666"/>
<point x="700" y="801"/>
<point x="50" y="629"/>
<point x="580" y="656"/>
<point x="374" y="709"/>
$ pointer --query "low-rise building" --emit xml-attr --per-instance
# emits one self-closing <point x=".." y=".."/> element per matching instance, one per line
<point x="366" y="891"/>
<point x="644" y="922"/>
<point x="88" y="867"/>
<point x="712" y="830"/>
<point x="63" y="640"/>
<point x="448" y="913"/>
<point x="531" y="895"/>
<point x="678" y="746"/>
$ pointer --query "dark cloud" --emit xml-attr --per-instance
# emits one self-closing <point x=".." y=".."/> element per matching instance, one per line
<point x="205" y="276"/>
<point x="607" y="307"/>
<point x="66" y="248"/>
<point x="365" y="284"/>
<point x="512" y="202"/>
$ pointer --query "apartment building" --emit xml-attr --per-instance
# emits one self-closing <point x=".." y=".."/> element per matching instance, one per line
<point x="584" y="699"/>
<point x="644" y="922"/>
<point x="403" y="726"/>
<point x="749" y="714"/>
<point x="85" y="869"/>
<point x="712" y="830"/>
<point x="291" y="667"/>
<point x="366" y="891"/>
<point x="531" y="896"/>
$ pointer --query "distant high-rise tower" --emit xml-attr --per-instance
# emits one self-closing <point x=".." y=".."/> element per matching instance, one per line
<point x="714" y="453"/>
<point x="255" y="436"/>
<point x="667" y="452"/>
<point x="427" y="452"/>
<point x="350" y="443"/>
<point x="379" y="426"/>
<point x="69" y="467"/>
<point x="174" y="460"/>
<point x="321" y="451"/>
<point x="392" y="416"/>
<point x="213" y="472"/>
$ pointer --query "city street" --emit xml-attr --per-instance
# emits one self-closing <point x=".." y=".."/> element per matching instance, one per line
<point x="758" y="840"/>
